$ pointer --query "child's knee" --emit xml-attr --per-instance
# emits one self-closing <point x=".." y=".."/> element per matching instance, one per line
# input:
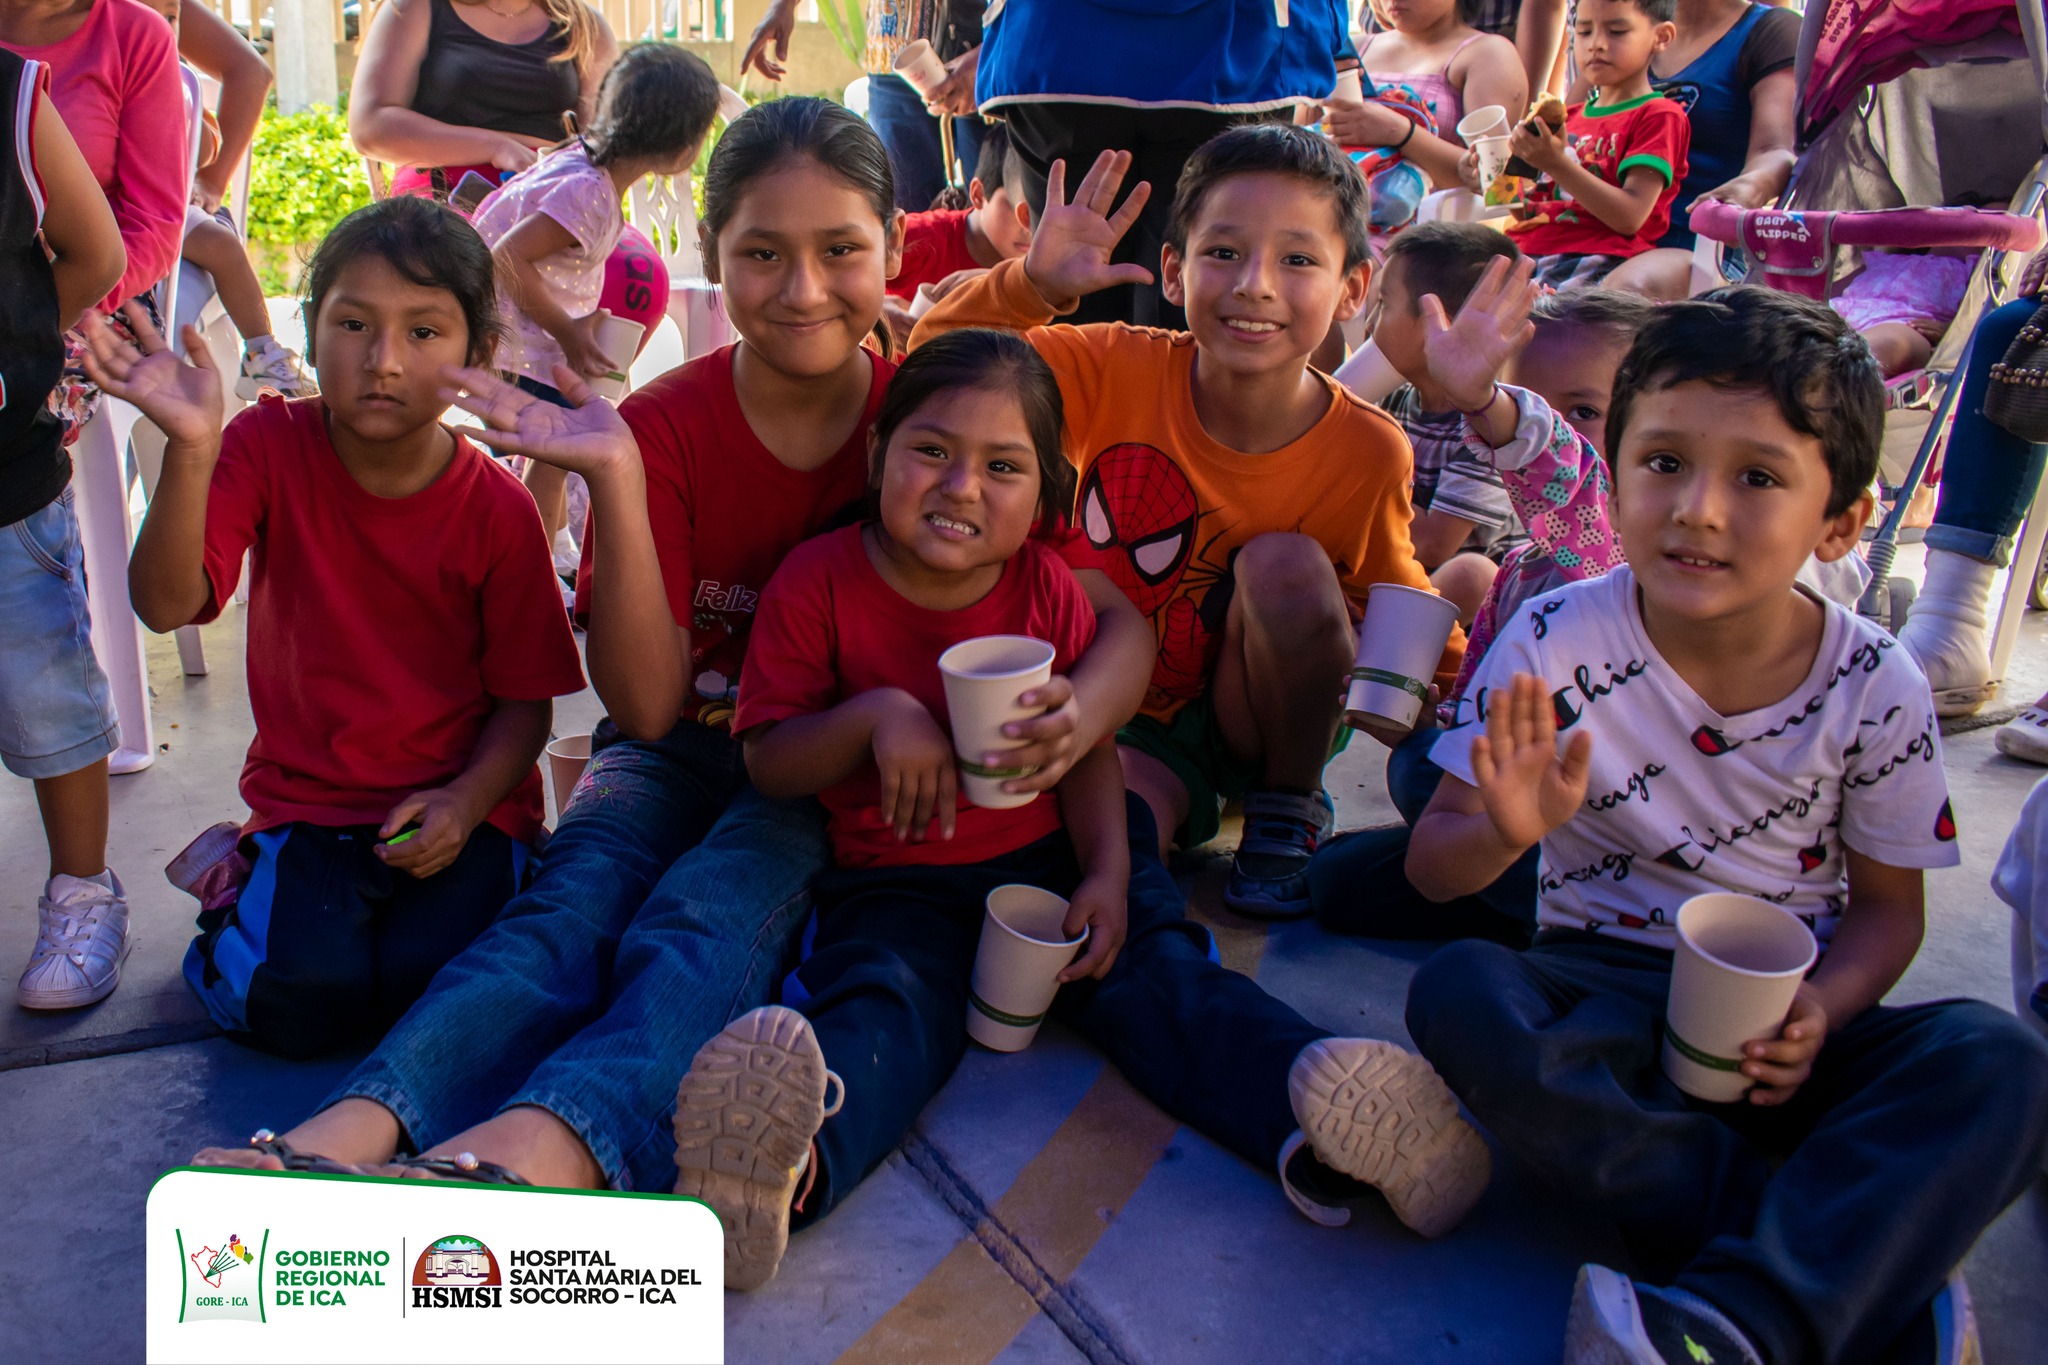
<point x="1464" y="579"/>
<point x="1455" y="989"/>
<point x="1288" y="571"/>
<point x="208" y="244"/>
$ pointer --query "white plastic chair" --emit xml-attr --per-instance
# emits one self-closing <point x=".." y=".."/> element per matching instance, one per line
<point x="662" y="207"/>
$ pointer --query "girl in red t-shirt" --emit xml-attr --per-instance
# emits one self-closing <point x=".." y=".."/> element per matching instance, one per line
<point x="843" y="699"/>
<point x="406" y="635"/>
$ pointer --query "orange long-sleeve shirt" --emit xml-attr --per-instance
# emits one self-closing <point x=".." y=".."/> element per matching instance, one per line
<point x="1167" y="506"/>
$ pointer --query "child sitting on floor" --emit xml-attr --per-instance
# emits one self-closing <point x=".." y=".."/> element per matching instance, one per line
<point x="843" y="698"/>
<point x="1731" y="730"/>
<point x="1246" y="502"/>
<point x="406" y="637"/>
<point x="1464" y="520"/>
<point x="1609" y="176"/>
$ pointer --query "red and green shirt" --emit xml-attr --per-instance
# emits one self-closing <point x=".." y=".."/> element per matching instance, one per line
<point x="1611" y="140"/>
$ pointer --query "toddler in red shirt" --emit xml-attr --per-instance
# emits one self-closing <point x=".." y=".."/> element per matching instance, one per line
<point x="1609" y="178"/>
<point x="406" y="637"/>
<point x="843" y="698"/>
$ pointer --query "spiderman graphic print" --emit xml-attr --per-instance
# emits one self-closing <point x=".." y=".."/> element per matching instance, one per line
<point x="1140" y="513"/>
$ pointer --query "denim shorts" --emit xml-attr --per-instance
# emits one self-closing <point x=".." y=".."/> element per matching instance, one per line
<point x="56" y="710"/>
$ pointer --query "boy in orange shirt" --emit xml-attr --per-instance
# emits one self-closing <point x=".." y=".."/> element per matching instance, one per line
<point x="1245" y="502"/>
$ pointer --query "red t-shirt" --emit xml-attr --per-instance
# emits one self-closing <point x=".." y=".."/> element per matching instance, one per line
<point x="380" y="629"/>
<point x="725" y="511"/>
<point x="934" y="246"/>
<point x="831" y="628"/>
<point x="1648" y="131"/>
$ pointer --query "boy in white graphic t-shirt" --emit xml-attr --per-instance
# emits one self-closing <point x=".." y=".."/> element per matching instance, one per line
<point x="1725" y="729"/>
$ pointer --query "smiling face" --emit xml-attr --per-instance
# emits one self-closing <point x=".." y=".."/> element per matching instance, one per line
<point x="960" y="485"/>
<point x="1719" y="501"/>
<point x="380" y="342"/>
<point x="1263" y="276"/>
<point x="804" y="262"/>
<point x="1613" y="41"/>
<point x="1572" y="369"/>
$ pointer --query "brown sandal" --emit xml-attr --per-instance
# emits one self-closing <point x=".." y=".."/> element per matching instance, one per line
<point x="461" y="1166"/>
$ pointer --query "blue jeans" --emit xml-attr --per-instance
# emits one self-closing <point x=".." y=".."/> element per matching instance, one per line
<point x="56" y="710"/>
<point x="1358" y="883"/>
<point x="885" y="985"/>
<point x="665" y="903"/>
<point x="1822" y="1226"/>
<point x="911" y="135"/>
<point x="1990" y="476"/>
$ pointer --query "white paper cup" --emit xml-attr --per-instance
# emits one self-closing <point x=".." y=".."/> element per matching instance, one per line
<point x="1350" y="88"/>
<point x="1738" y="964"/>
<point x="984" y="677"/>
<point x="1487" y="120"/>
<point x="619" y="339"/>
<point x="1399" y="643"/>
<point x="922" y="301"/>
<point x="919" y="65"/>
<point x="567" y="758"/>
<point x="1024" y="948"/>
<point x="1493" y="158"/>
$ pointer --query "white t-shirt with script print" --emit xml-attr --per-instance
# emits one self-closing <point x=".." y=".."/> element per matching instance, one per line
<point x="1684" y="800"/>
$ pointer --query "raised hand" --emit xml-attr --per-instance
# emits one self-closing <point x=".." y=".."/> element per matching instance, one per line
<point x="183" y="398"/>
<point x="1528" y="787"/>
<point x="1466" y="356"/>
<point x="775" y="29"/>
<point x="588" y="439"/>
<point x="1071" y="242"/>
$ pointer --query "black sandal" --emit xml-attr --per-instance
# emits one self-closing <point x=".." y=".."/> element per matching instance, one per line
<point x="462" y="1166"/>
<point x="270" y="1144"/>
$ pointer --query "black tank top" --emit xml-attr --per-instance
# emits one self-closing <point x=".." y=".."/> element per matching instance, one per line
<point x="472" y="81"/>
<point x="33" y="464"/>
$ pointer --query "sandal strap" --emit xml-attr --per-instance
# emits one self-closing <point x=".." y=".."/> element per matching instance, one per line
<point x="463" y="1166"/>
<point x="270" y="1144"/>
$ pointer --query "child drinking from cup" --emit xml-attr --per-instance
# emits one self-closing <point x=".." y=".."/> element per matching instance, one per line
<point x="406" y="637"/>
<point x="844" y="697"/>
<point x="1729" y="730"/>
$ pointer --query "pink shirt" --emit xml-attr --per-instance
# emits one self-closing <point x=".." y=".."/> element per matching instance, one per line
<point x="116" y="84"/>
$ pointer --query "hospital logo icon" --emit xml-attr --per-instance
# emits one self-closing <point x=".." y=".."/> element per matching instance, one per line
<point x="457" y="1272"/>
<point x="222" y="1276"/>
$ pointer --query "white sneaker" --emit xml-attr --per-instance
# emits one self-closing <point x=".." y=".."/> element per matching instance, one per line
<point x="267" y="365"/>
<point x="1380" y="1114"/>
<point x="2025" y="736"/>
<point x="81" y="941"/>
<point x="1948" y="633"/>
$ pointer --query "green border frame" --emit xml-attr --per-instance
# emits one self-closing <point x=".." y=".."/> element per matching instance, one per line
<point x="438" y="1184"/>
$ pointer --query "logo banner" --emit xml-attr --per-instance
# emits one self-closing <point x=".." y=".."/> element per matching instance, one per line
<point x="289" y="1267"/>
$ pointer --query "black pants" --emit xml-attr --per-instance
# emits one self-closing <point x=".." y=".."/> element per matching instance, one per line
<point x="1160" y="142"/>
<point x="887" y="977"/>
<point x="1917" y="1127"/>
<point x="328" y="946"/>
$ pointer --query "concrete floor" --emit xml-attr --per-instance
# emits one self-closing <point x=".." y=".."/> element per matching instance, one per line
<point x="1041" y="1212"/>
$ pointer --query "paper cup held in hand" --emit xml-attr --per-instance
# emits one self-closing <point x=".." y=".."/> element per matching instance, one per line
<point x="1399" y="644"/>
<point x="619" y="339"/>
<point x="1350" y="87"/>
<point x="1488" y="120"/>
<point x="1738" y="963"/>
<point x="1493" y="157"/>
<point x="984" y="677"/>
<point x="919" y="65"/>
<point x="1024" y="948"/>
<point x="567" y="758"/>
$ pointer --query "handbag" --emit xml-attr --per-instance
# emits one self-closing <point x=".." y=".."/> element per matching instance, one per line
<point x="2017" y="398"/>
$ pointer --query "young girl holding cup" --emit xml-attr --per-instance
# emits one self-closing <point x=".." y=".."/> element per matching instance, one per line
<point x="1431" y="47"/>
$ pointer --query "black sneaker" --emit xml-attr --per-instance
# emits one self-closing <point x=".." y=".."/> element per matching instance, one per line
<point x="1615" y="1321"/>
<point x="1282" y="830"/>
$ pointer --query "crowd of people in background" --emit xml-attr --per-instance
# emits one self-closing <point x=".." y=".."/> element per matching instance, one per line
<point x="1042" y="348"/>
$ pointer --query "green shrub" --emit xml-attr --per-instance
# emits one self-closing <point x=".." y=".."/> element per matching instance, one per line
<point x="304" y="177"/>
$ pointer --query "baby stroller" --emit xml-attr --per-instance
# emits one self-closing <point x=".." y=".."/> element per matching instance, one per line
<point x="1920" y="123"/>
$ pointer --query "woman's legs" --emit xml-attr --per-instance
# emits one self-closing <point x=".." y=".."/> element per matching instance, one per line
<point x="1987" y="485"/>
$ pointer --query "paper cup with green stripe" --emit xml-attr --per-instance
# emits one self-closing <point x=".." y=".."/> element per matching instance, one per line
<point x="619" y="339"/>
<point x="1738" y="963"/>
<point x="1024" y="948"/>
<point x="984" y="677"/>
<point x="1399" y="643"/>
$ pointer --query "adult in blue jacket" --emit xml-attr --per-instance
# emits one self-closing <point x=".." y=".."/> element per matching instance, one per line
<point x="1156" y="78"/>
